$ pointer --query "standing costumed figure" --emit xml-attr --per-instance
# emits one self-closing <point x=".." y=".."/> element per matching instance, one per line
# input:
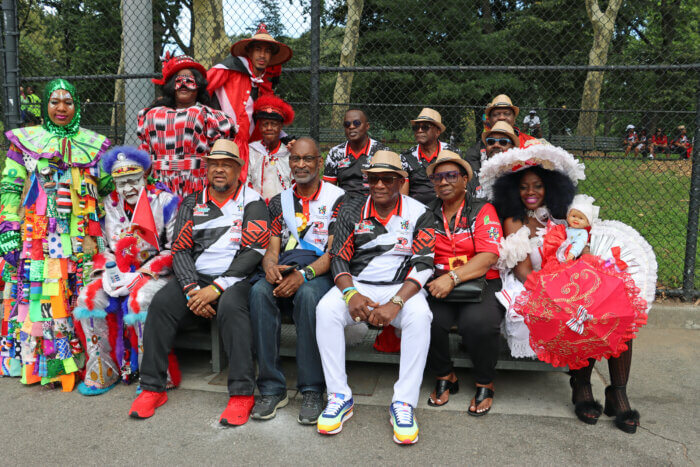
<point x="139" y="226"/>
<point x="180" y="128"/>
<point x="49" y="197"/>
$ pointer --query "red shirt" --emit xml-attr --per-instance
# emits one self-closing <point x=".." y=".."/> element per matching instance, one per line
<point x="659" y="139"/>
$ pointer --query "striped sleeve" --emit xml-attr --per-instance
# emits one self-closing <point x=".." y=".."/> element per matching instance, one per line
<point x="183" y="263"/>
<point x="343" y="247"/>
<point x="423" y="253"/>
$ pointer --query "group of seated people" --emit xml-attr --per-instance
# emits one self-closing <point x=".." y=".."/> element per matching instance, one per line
<point x="640" y="143"/>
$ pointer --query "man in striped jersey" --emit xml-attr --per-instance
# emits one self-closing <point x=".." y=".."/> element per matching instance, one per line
<point x="221" y="236"/>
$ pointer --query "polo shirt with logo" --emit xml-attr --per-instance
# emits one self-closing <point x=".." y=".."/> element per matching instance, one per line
<point x="419" y="187"/>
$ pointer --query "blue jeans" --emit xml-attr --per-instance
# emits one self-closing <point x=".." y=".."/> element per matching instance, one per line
<point x="266" y="320"/>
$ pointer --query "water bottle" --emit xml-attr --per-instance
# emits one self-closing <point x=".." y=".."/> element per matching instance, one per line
<point x="113" y="273"/>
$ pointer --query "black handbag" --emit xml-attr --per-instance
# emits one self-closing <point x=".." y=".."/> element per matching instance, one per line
<point x="472" y="290"/>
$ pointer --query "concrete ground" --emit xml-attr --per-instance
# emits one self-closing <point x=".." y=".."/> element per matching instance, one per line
<point x="531" y="423"/>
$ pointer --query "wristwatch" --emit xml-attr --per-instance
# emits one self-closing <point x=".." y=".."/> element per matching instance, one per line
<point x="397" y="301"/>
<point x="303" y="274"/>
<point x="309" y="273"/>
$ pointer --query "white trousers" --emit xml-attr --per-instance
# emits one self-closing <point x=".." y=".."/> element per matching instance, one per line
<point x="332" y="316"/>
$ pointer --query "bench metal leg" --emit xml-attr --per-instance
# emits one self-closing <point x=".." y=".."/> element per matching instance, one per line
<point x="218" y="354"/>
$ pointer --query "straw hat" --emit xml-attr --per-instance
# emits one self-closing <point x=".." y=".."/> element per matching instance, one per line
<point x="501" y="100"/>
<point x="681" y="127"/>
<point x="430" y="116"/>
<point x="281" y="53"/>
<point x="449" y="156"/>
<point x="225" y="149"/>
<point x="386" y="161"/>
<point x="502" y="127"/>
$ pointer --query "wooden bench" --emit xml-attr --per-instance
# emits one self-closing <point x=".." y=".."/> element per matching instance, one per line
<point x="604" y="144"/>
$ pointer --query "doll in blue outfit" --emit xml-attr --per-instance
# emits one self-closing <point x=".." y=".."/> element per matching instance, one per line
<point x="579" y="218"/>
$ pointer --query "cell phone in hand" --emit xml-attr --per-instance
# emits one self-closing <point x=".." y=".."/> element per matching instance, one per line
<point x="288" y="271"/>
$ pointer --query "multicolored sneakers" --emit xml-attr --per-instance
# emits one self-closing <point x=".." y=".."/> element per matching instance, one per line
<point x="337" y="411"/>
<point x="404" y="423"/>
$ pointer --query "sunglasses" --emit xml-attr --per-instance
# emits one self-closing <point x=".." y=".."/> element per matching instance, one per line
<point x="450" y="176"/>
<point x="306" y="159"/>
<point x="385" y="179"/>
<point x="349" y="123"/>
<point x="500" y="141"/>
<point x="186" y="82"/>
<point x="421" y="127"/>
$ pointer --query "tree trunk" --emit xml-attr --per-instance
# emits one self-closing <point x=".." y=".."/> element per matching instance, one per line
<point x="210" y="44"/>
<point x="603" y="28"/>
<point x="343" y="83"/>
<point x="118" y="117"/>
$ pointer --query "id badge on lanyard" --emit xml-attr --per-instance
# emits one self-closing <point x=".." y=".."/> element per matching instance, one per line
<point x="455" y="260"/>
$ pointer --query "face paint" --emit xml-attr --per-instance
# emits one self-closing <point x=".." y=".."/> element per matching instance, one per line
<point x="186" y="82"/>
<point x="59" y="89"/>
<point x="129" y="187"/>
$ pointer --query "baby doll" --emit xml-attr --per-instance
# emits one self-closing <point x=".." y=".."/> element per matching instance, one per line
<point x="581" y="215"/>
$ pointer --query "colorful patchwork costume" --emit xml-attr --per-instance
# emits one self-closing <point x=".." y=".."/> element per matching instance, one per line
<point x="49" y="205"/>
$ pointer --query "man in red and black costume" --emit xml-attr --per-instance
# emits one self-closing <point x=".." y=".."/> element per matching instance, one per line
<point x="251" y="71"/>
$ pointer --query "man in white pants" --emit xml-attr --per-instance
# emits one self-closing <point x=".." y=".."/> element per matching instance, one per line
<point x="383" y="259"/>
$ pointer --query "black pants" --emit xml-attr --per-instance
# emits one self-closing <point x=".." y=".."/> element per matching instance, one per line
<point x="169" y="307"/>
<point x="479" y="324"/>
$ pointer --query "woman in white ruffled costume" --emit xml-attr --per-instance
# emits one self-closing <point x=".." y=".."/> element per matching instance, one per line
<point x="529" y="188"/>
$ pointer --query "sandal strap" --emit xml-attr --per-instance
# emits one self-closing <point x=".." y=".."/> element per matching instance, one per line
<point x="482" y="394"/>
<point x="441" y="386"/>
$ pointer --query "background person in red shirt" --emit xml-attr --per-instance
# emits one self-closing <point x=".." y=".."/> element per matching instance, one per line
<point x="658" y="141"/>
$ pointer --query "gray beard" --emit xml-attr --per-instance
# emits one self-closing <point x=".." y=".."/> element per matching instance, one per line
<point x="222" y="188"/>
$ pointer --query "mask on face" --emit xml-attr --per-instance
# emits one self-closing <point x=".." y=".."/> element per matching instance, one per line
<point x="129" y="187"/>
<point x="186" y="82"/>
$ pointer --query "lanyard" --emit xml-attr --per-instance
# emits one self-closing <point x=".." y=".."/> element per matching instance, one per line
<point x="446" y="223"/>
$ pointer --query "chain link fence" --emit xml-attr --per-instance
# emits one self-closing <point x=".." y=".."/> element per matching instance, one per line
<point x="588" y="68"/>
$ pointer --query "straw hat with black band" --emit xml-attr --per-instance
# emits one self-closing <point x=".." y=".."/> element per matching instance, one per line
<point x="503" y="128"/>
<point x="449" y="156"/>
<point x="430" y="116"/>
<point x="501" y="101"/>
<point x="281" y="53"/>
<point x="225" y="149"/>
<point x="386" y="161"/>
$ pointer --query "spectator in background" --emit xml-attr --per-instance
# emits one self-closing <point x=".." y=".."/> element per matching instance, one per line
<point x="630" y="141"/>
<point x="531" y="123"/>
<point x="642" y="142"/>
<point x="681" y="144"/>
<point x="500" y="138"/>
<point x="658" y="141"/>
<point x="30" y="106"/>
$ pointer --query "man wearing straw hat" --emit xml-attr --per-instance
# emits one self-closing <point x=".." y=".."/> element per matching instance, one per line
<point x="499" y="138"/>
<point x="427" y="128"/>
<point x="380" y="264"/>
<point x="251" y="71"/>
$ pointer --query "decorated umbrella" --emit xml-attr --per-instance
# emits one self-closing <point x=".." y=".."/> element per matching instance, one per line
<point x="579" y="310"/>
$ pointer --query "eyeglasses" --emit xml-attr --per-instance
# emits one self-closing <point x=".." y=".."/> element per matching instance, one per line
<point x="349" y="123"/>
<point x="421" y="127"/>
<point x="385" y="179"/>
<point x="450" y="176"/>
<point x="500" y="141"/>
<point x="306" y="159"/>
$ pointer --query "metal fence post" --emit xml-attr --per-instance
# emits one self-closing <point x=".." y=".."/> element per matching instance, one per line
<point x="314" y="101"/>
<point x="691" y="239"/>
<point x="10" y="55"/>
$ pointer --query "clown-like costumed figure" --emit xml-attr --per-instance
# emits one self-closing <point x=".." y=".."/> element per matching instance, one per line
<point x="139" y="224"/>
<point x="49" y="224"/>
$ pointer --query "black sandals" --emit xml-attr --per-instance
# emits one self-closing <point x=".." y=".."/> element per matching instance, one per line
<point x="626" y="420"/>
<point x="442" y="386"/>
<point x="482" y="393"/>
<point x="588" y="411"/>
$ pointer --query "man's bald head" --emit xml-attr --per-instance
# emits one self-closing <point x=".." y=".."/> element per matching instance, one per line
<point x="305" y="162"/>
<point x="305" y="145"/>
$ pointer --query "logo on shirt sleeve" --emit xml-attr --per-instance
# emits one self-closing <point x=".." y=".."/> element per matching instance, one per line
<point x="363" y="227"/>
<point x="200" y="210"/>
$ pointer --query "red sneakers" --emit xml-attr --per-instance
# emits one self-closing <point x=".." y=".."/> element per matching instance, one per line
<point x="146" y="404"/>
<point x="237" y="411"/>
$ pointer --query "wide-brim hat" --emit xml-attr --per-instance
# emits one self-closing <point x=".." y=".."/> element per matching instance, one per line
<point x="281" y="53"/>
<point x="172" y="65"/>
<point x="537" y="154"/>
<point x="501" y="127"/>
<point x="225" y="149"/>
<point x="450" y="156"/>
<point x="386" y="161"/>
<point x="501" y="100"/>
<point x="430" y="116"/>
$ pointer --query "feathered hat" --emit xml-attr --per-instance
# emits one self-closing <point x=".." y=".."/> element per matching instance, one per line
<point x="125" y="160"/>
<point x="538" y="153"/>
<point x="172" y="65"/>
<point x="272" y="107"/>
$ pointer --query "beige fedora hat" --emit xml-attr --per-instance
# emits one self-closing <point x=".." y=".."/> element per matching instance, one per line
<point x="449" y="156"/>
<point x="501" y="100"/>
<point x="281" y="53"/>
<point x="502" y="127"/>
<point x="430" y="116"/>
<point x="225" y="149"/>
<point x="386" y="161"/>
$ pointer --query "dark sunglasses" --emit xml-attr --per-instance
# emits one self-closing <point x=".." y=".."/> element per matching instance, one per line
<point x="386" y="179"/>
<point x="450" y="176"/>
<point x="500" y="141"/>
<point x="421" y="126"/>
<point x="349" y="123"/>
<point x="306" y="159"/>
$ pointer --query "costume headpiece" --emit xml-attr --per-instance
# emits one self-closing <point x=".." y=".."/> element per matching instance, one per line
<point x="430" y="116"/>
<point x="65" y="131"/>
<point x="172" y="65"/>
<point x="386" y="161"/>
<point x="272" y="107"/>
<point x="536" y="154"/>
<point x="281" y="53"/>
<point x="125" y="160"/>
<point x="584" y="203"/>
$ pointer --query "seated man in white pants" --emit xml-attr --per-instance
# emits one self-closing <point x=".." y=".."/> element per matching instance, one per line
<point x="382" y="259"/>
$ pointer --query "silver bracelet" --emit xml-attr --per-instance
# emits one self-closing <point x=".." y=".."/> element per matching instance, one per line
<point x="454" y="276"/>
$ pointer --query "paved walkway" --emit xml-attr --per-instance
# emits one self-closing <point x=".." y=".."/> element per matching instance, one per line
<point x="532" y="421"/>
